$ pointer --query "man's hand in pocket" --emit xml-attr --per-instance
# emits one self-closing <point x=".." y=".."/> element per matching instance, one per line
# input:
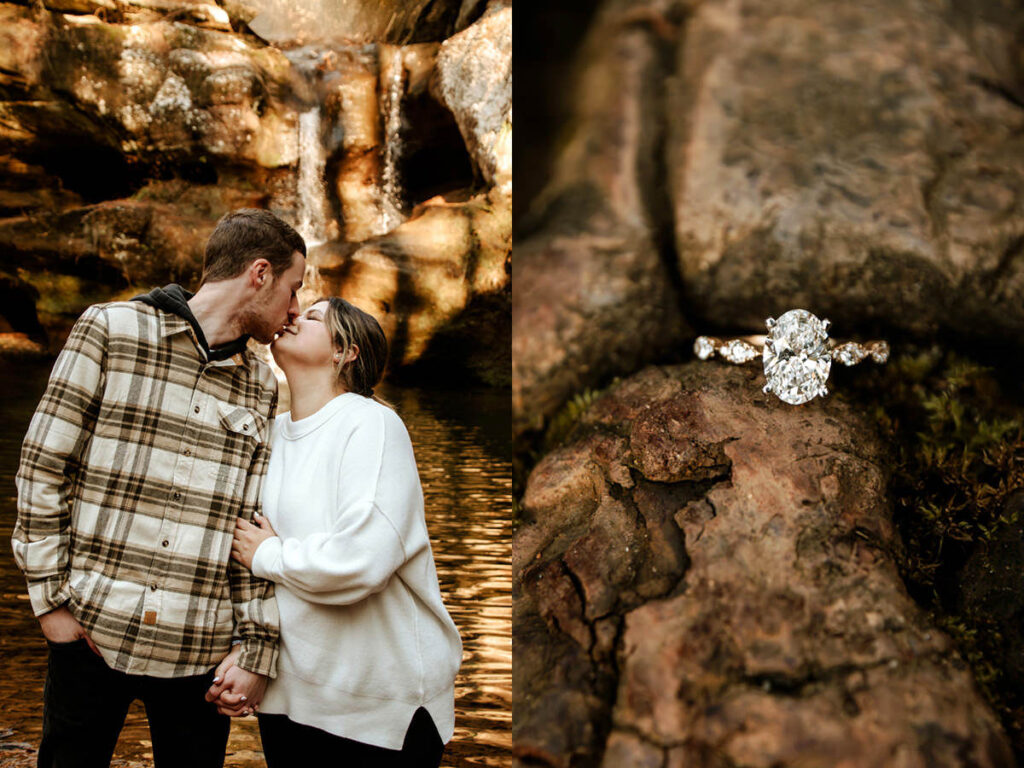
<point x="59" y="626"/>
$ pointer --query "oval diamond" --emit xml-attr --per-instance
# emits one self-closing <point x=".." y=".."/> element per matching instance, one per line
<point x="797" y="359"/>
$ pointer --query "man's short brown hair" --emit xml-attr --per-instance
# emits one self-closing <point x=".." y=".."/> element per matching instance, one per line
<point x="245" y="235"/>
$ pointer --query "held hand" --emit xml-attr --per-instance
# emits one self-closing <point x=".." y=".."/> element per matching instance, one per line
<point x="248" y="537"/>
<point x="226" y="663"/>
<point x="216" y="691"/>
<point x="238" y="692"/>
<point x="59" y="626"/>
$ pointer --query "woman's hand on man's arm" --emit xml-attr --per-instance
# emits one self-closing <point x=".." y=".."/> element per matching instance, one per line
<point x="248" y="537"/>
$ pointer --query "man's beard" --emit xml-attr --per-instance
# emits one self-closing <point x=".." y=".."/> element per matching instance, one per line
<point x="255" y="325"/>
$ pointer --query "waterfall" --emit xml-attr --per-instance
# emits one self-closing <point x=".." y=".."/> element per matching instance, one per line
<point x="375" y="205"/>
<point x="391" y="75"/>
<point x="312" y="198"/>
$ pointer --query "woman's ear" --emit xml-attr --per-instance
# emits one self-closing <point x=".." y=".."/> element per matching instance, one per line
<point x="347" y="356"/>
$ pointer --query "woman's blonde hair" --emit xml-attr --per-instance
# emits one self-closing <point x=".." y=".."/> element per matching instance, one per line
<point x="348" y="326"/>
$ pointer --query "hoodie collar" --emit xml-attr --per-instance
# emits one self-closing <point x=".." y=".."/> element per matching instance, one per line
<point x="173" y="300"/>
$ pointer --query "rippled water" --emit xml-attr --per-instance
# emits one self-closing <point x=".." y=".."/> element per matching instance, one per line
<point x="462" y="442"/>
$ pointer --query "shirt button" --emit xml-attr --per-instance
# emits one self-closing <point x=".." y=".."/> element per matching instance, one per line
<point x="188" y="452"/>
<point x="245" y="427"/>
<point x="164" y="543"/>
<point x="177" y="495"/>
<point x="152" y="587"/>
<point x="196" y="409"/>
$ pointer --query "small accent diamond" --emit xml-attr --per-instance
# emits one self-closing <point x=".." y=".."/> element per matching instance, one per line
<point x="880" y="352"/>
<point x="738" y="351"/>
<point x="849" y="353"/>
<point x="703" y="347"/>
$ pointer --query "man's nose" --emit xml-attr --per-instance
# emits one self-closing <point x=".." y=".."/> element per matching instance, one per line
<point x="293" y="310"/>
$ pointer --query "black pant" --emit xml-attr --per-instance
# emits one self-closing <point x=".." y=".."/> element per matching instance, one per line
<point x="85" y="703"/>
<point x="287" y="744"/>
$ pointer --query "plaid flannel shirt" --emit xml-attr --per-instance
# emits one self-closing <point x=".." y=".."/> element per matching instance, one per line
<point x="139" y="458"/>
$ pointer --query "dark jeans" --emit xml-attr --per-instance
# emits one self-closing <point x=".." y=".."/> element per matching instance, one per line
<point x="85" y="703"/>
<point x="287" y="744"/>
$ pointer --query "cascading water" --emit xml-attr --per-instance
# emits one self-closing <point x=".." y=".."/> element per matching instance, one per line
<point x="391" y="78"/>
<point x="313" y="220"/>
<point x="363" y="145"/>
<point x="312" y="199"/>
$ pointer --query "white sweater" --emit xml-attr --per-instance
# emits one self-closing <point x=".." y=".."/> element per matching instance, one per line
<point x="365" y="637"/>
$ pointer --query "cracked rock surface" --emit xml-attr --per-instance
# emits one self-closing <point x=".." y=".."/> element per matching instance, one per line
<point x="705" y="577"/>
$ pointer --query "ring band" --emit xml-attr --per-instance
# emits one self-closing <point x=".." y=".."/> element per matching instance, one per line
<point x="797" y="354"/>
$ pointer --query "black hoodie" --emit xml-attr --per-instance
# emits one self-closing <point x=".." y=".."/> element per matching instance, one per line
<point x="174" y="299"/>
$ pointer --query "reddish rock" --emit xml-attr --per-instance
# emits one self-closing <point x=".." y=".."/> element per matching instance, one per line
<point x="705" y="577"/>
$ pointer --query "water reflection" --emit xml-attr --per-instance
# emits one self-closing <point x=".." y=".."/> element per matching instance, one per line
<point x="462" y="449"/>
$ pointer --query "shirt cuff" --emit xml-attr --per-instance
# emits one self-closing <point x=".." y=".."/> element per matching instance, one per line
<point x="258" y="656"/>
<point x="266" y="557"/>
<point x="49" y="594"/>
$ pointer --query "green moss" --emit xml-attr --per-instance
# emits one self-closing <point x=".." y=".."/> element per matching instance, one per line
<point x="958" y="432"/>
<point x="565" y="420"/>
<point x="64" y="295"/>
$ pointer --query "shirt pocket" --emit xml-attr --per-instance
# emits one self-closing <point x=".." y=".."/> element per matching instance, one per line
<point x="243" y="431"/>
<point x="240" y="420"/>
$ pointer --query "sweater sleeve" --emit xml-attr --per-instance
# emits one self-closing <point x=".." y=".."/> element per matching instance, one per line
<point x="378" y="492"/>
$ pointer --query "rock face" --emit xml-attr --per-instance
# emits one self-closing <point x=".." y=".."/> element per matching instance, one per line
<point x="474" y="80"/>
<point x="126" y="131"/>
<point x="392" y="21"/>
<point x="163" y="90"/>
<point x="437" y="282"/>
<point x="704" y="577"/>
<point x="862" y="161"/>
<point x="593" y="295"/>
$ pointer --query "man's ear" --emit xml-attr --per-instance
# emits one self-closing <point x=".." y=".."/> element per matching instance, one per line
<point x="259" y="273"/>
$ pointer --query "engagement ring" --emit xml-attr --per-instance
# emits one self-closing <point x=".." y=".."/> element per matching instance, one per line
<point x="797" y="354"/>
